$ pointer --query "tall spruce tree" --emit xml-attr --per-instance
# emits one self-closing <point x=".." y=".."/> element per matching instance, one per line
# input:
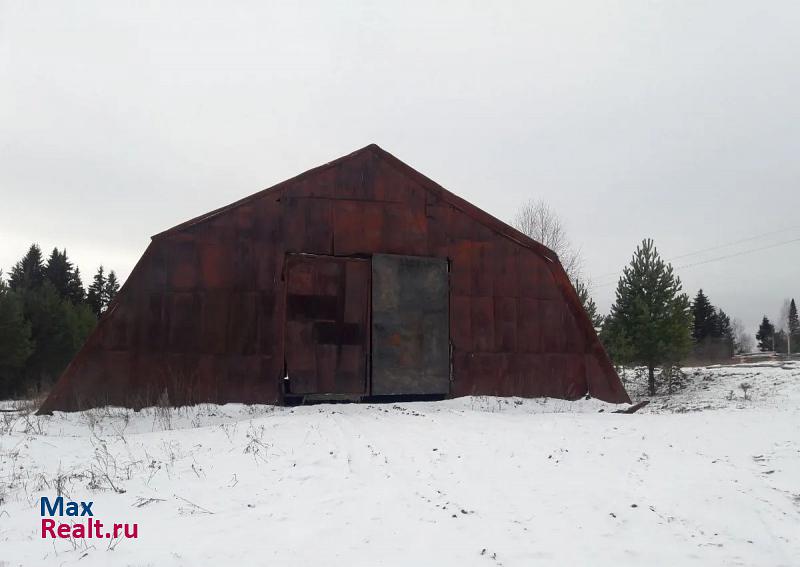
<point x="110" y="289"/>
<point x="794" y="321"/>
<point x="704" y="316"/>
<point x="75" y="290"/>
<point x="794" y="327"/>
<point x="28" y="273"/>
<point x="766" y="335"/>
<point x="58" y="271"/>
<point x="96" y="293"/>
<point x="650" y="322"/>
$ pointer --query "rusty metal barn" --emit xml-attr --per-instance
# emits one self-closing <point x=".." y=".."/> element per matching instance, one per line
<point x="359" y="279"/>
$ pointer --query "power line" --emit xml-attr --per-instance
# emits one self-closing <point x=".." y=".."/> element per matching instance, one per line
<point x="718" y="258"/>
<point x="748" y="239"/>
<point x="742" y="253"/>
<point x="719" y="246"/>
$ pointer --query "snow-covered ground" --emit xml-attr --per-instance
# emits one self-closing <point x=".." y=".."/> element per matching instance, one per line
<point x="703" y="477"/>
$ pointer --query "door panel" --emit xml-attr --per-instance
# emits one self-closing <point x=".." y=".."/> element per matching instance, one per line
<point x="410" y="325"/>
<point x="327" y="338"/>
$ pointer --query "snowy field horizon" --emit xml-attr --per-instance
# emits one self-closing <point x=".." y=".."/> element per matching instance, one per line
<point x="705" y="476"/>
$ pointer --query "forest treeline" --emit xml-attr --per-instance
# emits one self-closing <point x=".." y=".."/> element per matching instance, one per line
<point x="46" y="314"/>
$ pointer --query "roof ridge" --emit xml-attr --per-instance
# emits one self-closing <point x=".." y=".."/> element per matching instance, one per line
<point x="244" y="200"/>
<point x="475" y="213"/>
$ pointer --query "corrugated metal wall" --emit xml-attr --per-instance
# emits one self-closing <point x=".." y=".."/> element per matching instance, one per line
<point x="203" y="314"/>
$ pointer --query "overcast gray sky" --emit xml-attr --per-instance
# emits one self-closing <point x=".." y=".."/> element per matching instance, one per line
<point x="673" y="120"/>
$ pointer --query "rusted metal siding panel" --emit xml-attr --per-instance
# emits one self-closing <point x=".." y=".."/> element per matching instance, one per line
<point x="482" y="324"/>
<point x="505" y="324"/>
<point x="242" y="324"/>
<point x="461" y="269"/>
<point x="214" y="309"/>
<point x="359" y="227"/>
<point x="308" y="225"/>
<point x="505" y="275"/>
<point x="183" y="328"/>
<point x="530" y="326"/>
<point x="392" y="185"/>
<point x="405" y="229"/>
<point x="552" y="321"/>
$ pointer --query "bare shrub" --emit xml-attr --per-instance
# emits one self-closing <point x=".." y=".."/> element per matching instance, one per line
<point x="141" y="502"/>
<point x="120" y="419"/>
<point x="7" y="422"/>
<point x="35" y="424"/>
<point x="229" y="429"/>
<point x="24" y="410"/>
<point x="162" y="412"/>
<point x="154" y="466"/>
<point x="171" y="450"/>
<point x="256" y="445"/>
<point x="117" y="419"/>
<point x="104" y="469"/>
<point x="194" y="508"/>
<point x="61" y="483"/>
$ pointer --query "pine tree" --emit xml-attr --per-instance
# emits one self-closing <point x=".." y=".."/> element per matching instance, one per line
<point x="794" y="327"/>
<point x="95" y="296"/>
<point x="766" y="335"/>
<point x="650" y="322"/>
<point x="110" y="289"/>
<point x="704" y="317"/>
<point x="15" y="339"/>
<point x="28" y="273"/>
<point x="75" y="290"/>
<point x="58" y="271"/>
<point x="588" y="303"/>
<point x="711" y="331"/>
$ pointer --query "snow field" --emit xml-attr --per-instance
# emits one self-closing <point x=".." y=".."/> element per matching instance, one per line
<point x="702" y="477"/>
